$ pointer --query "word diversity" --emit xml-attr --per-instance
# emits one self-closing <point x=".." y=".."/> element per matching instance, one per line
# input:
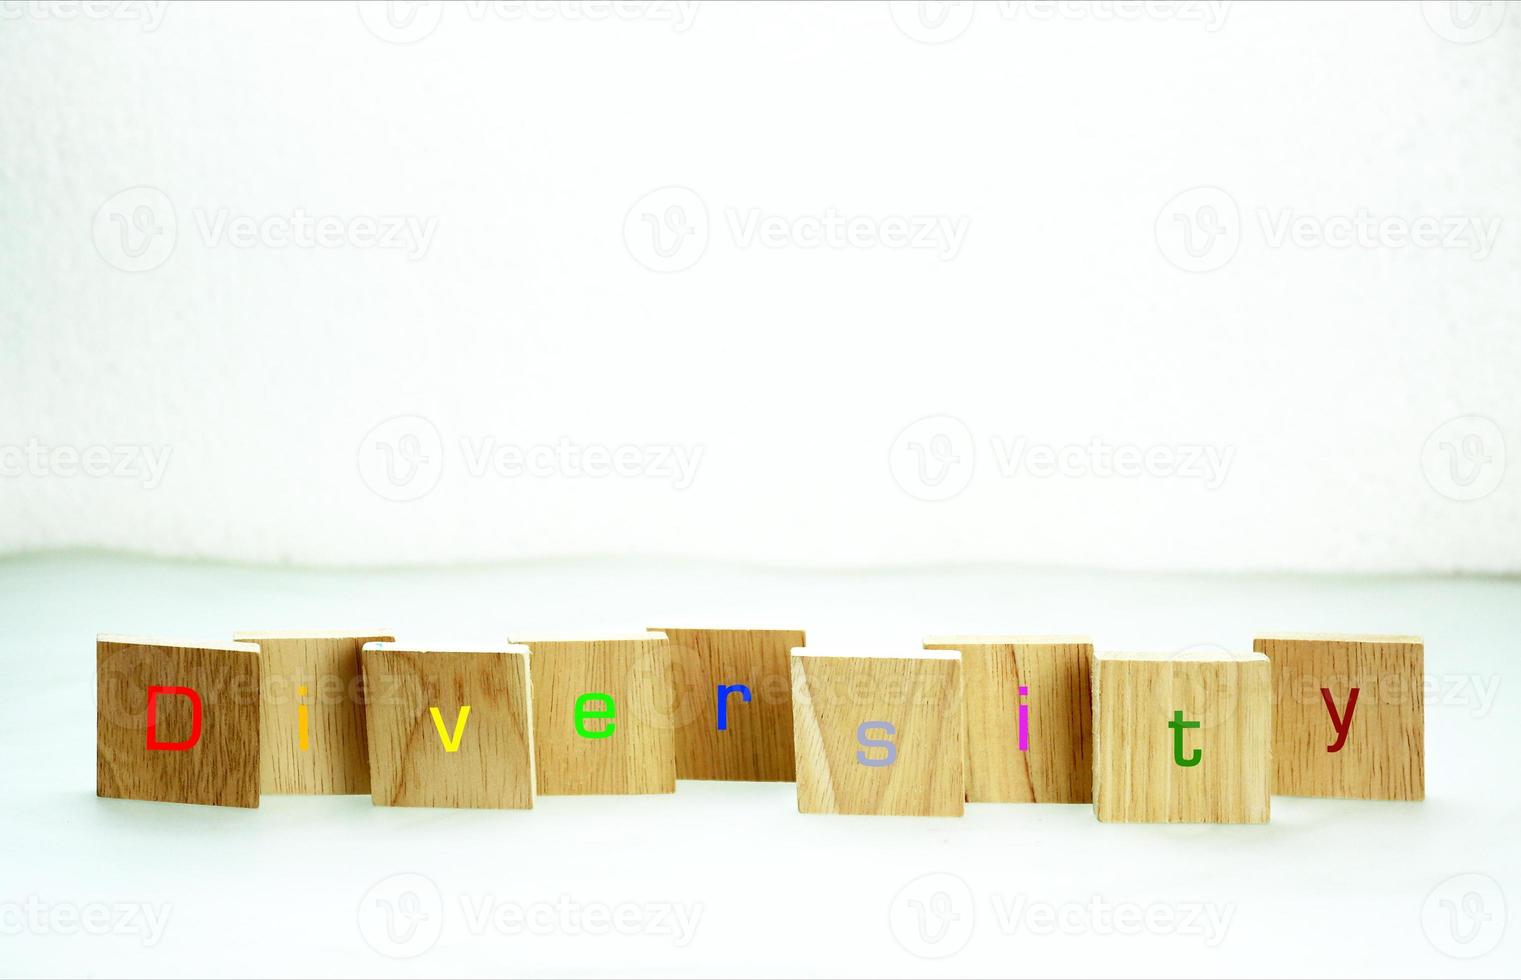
<point x="1144" y="737"/>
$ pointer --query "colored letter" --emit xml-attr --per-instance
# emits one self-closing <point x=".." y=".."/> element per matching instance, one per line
<point x="1177" y="725"/>
<point x="724" y="690"/>
<point x="876" y="743"/>
<point x="1343" y="725"/>
<point x="582" y="714"/>
<point x="451" y="742"/>
<point x="303" y="721"/>
<point x="195" y="718"/>
<point x="1024" y="721"/>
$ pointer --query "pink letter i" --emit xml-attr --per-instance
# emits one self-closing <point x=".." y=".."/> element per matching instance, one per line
<point x="1024" y="721"/>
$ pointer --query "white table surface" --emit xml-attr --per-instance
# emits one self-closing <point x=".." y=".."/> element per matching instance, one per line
<point x="300" y="885"/>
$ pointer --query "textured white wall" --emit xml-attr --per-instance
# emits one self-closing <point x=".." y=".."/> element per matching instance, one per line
<point x="1258" y="257"/>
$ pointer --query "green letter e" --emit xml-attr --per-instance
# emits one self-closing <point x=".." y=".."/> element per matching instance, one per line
<point x="583" y="713"/>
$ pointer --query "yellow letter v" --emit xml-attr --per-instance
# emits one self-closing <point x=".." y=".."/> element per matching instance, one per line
<point x="451" y="742"/>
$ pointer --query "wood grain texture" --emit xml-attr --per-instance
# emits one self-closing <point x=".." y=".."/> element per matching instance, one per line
<point x="1055" y="671"/>
<point x="1135" y="775"/>
<point x="920" y="696"/>
<point x="635" y="671"/>
<point x="222" y="767"/>
<point x="1383" y="756"/>
<point x="319" y="671"/>
<point x="492" y="763"/>
<point x="756" y="744"/>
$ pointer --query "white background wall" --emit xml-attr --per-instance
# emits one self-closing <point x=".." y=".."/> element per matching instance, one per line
<point x="159" y="296"/>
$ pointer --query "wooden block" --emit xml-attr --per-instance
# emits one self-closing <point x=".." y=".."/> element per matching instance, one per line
<point x="741" y="679"/>
<point x="1182" y="738"/>
<point x="1382" y="756"/>
<point x="602" y="713"/>
<point x="449" y="728"/>
<point x="1029" y="717"/>
<point x="177" y="722"/>
<point x="878" y="734"/>
<point x="311" y="727"/>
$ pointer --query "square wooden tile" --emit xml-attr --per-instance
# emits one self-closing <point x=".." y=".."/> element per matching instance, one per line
<point x="603" y="713"/>
<point x="312" y="726"/>
<point x="742" y="679"/>
<point x="176" y="721"/>
<point x="878" y="733"/>
<point x="1382" y="756"/>
<point x="449" y="728"/>
<point x="1029" y="717"/>
<point x="1182" y="738"/>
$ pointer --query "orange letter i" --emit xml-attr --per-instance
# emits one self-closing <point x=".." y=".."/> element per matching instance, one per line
<point x="303" y="720"/>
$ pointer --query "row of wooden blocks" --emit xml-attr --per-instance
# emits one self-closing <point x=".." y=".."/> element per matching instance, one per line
<point x="1190" y="737"/>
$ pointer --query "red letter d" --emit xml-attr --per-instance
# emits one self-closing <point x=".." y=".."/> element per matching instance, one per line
<point x="195" y="718"/>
